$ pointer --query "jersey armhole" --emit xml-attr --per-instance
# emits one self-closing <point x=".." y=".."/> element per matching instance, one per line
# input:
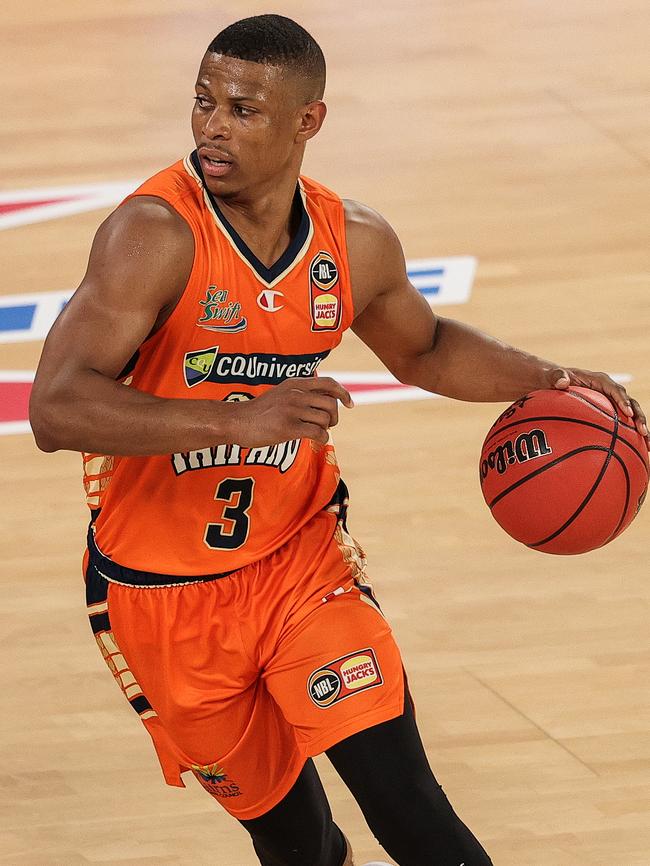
<point x="195" y="261"/>
<point x="348" y="300"/>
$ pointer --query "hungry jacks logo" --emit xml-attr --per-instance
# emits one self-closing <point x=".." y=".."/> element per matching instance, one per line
<point x="344" y="677"/>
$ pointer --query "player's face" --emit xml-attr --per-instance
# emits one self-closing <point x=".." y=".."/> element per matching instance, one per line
<point x="246" y="122"/>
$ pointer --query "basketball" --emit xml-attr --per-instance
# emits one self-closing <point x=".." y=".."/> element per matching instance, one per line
<point x="562" y="472"/>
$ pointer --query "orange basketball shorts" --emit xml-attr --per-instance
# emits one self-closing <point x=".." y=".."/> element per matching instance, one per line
<point x="240" y="679"/>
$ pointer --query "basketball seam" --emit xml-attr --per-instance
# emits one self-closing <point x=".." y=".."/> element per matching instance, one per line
<point x="627" y="498"/>
<point x="588" y="496"/>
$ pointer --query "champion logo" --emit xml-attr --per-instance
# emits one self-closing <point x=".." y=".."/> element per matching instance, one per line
<point x="266" y="300"/>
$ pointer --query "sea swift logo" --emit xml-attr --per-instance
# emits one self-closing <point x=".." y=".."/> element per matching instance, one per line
<point x="218" y="309"/>
<point x="208" y="365"/>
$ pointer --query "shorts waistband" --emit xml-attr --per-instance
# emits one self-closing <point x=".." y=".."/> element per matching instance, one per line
<point x="116" y="573"/>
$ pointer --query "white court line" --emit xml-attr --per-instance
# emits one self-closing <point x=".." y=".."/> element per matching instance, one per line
<point x="17" y="375"/>
<point x="10" y="428"/>
<point x="84" y="197"/>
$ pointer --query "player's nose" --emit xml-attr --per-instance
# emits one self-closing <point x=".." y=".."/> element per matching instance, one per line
<point x="216" y="126"/>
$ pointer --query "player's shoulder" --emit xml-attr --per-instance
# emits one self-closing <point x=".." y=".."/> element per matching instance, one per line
<point x="157" y="206"/>
<point x="359" y="215"/>
<point x="368" y="232"/>
<point x="148" y="222"/>
<point x="317" y="191"/>
<point x="175" y="183"/>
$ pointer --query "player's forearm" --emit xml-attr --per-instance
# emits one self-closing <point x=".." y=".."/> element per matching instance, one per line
<point x="467" y="364"/>
<point x="95" y="414"/>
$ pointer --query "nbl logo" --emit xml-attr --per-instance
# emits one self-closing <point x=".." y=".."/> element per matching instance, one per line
<point x="324" y="687"/>
<point x="323" y="271"/>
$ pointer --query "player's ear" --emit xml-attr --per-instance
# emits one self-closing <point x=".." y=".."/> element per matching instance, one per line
<point x="311" y="117"/>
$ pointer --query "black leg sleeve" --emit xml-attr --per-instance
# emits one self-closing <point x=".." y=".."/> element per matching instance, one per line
<point x="299" y="831"/>
<point x="386" y="769"/>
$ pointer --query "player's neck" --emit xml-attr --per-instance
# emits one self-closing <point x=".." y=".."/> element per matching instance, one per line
<point x="264" y="218"/>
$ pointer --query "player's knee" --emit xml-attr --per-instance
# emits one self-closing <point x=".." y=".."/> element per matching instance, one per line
<point x="421" y="828"/>
<point x="316" y="849"/>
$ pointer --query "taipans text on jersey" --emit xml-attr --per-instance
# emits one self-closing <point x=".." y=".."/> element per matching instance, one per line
<point x="281" y="456"/>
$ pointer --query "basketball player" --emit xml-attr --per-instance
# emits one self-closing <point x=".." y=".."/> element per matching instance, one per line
<point x="223" y="589"/>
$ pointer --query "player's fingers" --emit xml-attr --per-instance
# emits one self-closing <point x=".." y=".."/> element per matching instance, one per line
<point x="313" y="431"/>
<point x="617" y="394"/>
<point x="319" y="417"/>
<point x="599" y="382"/>
<point x="640" y="421"/>
<point x="305" y="400"/>
<point x="327" y="404"/>
<point x="560" y="379"/>
<point x="330" y="386"/>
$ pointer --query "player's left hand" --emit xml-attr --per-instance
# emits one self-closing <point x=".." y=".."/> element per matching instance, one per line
<point x="562" y="378"/>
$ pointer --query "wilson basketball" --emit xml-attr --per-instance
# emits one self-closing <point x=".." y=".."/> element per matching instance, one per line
<point x="562" y="471"/>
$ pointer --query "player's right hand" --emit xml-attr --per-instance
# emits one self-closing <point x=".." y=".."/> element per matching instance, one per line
<point x="294" y="409"/>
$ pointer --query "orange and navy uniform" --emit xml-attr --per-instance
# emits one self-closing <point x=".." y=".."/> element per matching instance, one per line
<point x="239" y="329"/>
<point x="223" y="589"/>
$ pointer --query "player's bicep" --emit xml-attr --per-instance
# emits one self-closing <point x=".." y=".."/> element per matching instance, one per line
<point x="392" y="317"/>
<point x="399" y="326"/>
<point x="139" y="263"/>
<point x="94" y="333"/>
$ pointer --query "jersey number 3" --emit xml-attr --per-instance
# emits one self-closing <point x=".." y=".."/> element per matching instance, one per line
<point x="232" y="529"/>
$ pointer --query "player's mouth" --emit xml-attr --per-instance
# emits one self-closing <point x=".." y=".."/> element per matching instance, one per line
<point x="215" y="165"/>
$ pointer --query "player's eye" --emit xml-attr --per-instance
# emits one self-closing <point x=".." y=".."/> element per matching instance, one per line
<point x="242" y="111"/>
<point x="201" y="101"/>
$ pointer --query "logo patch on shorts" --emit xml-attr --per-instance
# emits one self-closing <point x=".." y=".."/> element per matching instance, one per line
<point x="215" y="780"/>
<point x="344" y="677"/>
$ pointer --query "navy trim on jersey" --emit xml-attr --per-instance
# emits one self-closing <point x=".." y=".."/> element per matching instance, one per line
<point x="97" y="594"/>
<point x="112" y="571"/>
<point x="295" y="245"/>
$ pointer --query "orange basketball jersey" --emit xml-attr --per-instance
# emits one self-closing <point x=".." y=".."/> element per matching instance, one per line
<point x="239" y="329"/>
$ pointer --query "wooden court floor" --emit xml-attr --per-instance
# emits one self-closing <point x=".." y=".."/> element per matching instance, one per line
<point x="515" y="132"/>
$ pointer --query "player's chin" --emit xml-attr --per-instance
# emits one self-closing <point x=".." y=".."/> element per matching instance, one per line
<point x="222" y="186"/>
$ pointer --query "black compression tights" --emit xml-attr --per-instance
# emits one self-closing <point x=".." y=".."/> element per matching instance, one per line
<point x="387" y="771"/>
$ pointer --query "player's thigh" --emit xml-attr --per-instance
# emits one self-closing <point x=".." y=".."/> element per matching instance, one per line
<point x="336" y="671"/>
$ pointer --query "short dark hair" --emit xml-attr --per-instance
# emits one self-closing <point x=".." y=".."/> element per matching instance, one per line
<point x="278" y="41"/>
